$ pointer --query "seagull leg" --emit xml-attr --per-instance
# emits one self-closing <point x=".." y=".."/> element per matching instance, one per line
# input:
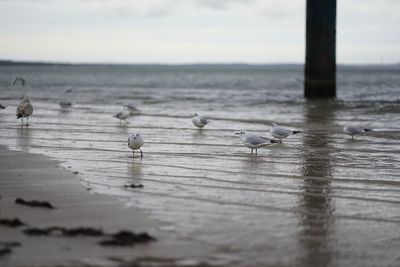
<point x="133" y="153"/>
<point x="141" y="153"/>
<point x="27" y="121"/>
<point x="256" y="151"/>
<point x="252" y="151"/>
<point x="22" y="121"/>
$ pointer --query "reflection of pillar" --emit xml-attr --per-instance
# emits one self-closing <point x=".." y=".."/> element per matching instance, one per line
<point x="315" y="204"/>
<point x="320" y="67"/>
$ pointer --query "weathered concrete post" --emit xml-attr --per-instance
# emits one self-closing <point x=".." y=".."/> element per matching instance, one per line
<point x="320" y="68"/>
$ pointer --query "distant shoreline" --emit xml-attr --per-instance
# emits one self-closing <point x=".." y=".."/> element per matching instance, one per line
<point x="12" y="63"/>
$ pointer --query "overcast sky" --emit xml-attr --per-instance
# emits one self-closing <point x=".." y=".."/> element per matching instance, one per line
<point x="190" y="31"/>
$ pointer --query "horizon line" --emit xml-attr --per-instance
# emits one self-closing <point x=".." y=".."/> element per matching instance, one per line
<point x="237" y="63"/>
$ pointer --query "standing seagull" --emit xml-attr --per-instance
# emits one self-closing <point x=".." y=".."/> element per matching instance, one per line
<point x="199" y="121"/>
<point x="131" y="108"/>
<point x="65" y="102"/>
<point x="135" y="142"/>
<point x="122" y="115"/>
<point x="254" y="141"/>
<point x="281" y="132"/>
<point x="24" y="109"/>
<point x="355" y="130"/>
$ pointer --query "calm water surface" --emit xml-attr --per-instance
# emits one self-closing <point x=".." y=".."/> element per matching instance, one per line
<point x="318" y="199"/>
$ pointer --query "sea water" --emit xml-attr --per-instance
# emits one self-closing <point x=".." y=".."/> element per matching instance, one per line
<point x="318" y="199"/>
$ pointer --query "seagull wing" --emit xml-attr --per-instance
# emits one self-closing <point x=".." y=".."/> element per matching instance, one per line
<point x="118" y="115"/>
<point x="24" y="109"/>
<point x="203" y="120"/>
<point x="256" y="140"/>
<point x="281" y="131"/>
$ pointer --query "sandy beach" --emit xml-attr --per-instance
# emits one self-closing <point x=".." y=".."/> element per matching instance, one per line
<point x="35" y="177"/>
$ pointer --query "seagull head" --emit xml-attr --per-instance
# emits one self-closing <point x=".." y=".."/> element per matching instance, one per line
<point x="25" y="98"/>
<point x="135" y="135"/>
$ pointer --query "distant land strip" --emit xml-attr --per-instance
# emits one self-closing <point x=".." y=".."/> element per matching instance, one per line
<point x="195" y="66"/>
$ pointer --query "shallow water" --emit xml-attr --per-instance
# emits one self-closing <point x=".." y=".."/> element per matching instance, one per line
<point x="319" y="198"/>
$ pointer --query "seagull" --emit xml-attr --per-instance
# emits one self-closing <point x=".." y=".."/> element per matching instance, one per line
<point x="131" y="107"/>
<point x="18" y="79"/>
<point x="24" y="109"/>
<point x="254" y="141"/>
<point x="122" y="115"/>
<point x="2" y="106"/>
<point x="199" y="121"/>
<point x="355" y="130"/>
<point x="64" y="103"/>
<point x="135" y="142"/>
<point x="281" y="132"/>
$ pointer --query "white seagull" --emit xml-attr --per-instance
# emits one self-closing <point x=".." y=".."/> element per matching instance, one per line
<point x="199" y="121"/>
<point x="280" y="132"/>
<point x="355" y="130"/>
<point x="131" y="106"/>
<point x="24" y="109"/>
<point x="254" y="141"/>
<point x="122" y="115"/>
<point x="135" y="142"/>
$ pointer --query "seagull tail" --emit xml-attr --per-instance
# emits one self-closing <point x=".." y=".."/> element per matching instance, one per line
<point x="368" y="130"/>
<point x="19" y="116"/>
<point x="273" y="141"/>
<point x="296" y="132"/>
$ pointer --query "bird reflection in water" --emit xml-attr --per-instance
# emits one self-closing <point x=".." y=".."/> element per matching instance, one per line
<point x="23" y="141"/>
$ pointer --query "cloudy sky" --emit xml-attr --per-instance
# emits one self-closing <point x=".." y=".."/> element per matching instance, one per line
<point x="190" y="31"/>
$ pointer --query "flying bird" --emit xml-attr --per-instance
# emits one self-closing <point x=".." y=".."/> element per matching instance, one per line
<point x="18" y="79"/>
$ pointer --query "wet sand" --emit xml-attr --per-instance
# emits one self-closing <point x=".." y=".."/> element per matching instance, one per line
<point x="30" y="176"/>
